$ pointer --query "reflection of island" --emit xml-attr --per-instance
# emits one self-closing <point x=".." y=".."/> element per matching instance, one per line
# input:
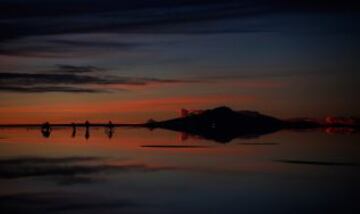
<point x="222" y="124"/>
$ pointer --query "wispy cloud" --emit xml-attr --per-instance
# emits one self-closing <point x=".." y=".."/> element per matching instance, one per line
<point x="319" y="163"/>
<point x="73" y="79"/>
<point x="66" y="45"/>
<point x="44" y="202"/>
<point x="76" y="69"/>
<point x="38" y="17"/>
<point x="67" y="167"/>
<point x="46" y="160"/>
<point x="46" y="89"/>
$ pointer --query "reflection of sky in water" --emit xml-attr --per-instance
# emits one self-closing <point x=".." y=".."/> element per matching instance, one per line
<point x="74" y="175"/>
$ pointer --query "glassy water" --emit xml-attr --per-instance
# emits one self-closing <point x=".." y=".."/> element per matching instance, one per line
<point x="134" y="170"/>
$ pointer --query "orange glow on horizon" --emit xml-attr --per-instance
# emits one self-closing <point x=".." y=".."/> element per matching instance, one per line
<point x="64" y="112"/>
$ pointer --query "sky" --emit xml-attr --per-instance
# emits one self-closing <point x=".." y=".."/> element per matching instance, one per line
<point x="128" y="61"/>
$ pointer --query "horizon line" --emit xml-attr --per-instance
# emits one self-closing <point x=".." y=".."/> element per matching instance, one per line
<point x="68" y="124"/>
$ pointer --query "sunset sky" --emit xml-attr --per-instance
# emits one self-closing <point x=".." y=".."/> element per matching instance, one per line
<point x="128" y="61"/>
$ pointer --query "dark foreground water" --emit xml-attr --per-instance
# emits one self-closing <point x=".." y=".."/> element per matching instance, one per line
<point x="143" y="171"/>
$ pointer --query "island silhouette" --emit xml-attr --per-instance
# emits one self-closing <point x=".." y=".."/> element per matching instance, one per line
<point x="222" y="124"/>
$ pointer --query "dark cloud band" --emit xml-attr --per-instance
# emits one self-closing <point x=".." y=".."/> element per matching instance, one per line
<point x="41" y="17"/>
<point x="72" y="79"/>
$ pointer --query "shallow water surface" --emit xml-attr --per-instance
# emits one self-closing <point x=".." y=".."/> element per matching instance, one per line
<point x="135" y="170"/>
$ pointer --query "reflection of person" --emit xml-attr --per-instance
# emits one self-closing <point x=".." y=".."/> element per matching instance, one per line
<point x="87" y="129"/>
<point x="87" y="133"/>
<point x="109" y="130"/>
<point x="73" y="130"/>
<point x="46" y="129"/>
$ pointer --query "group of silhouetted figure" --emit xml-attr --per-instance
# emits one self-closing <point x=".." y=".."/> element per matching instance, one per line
<point x="109" y="129"/>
